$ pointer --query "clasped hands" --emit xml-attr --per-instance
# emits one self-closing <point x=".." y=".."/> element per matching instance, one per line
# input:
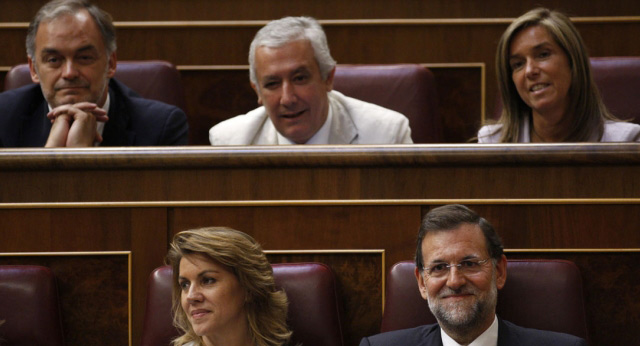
<point x="74" y="125"/>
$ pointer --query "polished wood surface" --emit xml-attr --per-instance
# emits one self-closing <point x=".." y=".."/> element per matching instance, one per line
<point x="153" y="10"/>
<point x="563" y="196"/>
<point x="321" y="172"/>
<point x="346" y="156"/>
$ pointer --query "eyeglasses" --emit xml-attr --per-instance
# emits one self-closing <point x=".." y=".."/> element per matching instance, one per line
<point x="465" y="267"/>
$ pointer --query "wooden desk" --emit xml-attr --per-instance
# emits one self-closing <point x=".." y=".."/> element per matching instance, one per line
<point x="577" y="201"/>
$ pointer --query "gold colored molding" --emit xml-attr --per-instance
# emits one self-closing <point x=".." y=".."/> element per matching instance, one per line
<point x="326" y="252"/>
<point x="480" y="65"/>
<point x="344" y="156"/>
<point x="335" y="22"/>
<point x="327" y="203"/>
<point x="213" y="68"/>
<point x="585" y="250"/>
<point x="90" y="253"/>
<point x="68" y="253"/>
<point x="14" y="25"/>
<point x="616" y="19"/>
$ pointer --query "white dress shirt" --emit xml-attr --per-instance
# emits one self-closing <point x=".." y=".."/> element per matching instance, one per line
<point x="488" y="338"/>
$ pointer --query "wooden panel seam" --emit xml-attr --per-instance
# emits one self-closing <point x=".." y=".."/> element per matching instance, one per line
<point x="304" y="203"/>
<point x="575" y="250"/>
<point x="336" y="22"/>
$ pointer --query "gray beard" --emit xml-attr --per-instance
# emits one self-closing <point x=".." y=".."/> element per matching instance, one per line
<point x="464" y="321"/>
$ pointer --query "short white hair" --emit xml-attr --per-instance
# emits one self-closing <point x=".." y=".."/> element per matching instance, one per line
<point x="279" y="32"/>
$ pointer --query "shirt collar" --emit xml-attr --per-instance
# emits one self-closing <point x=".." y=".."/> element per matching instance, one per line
<point x="488" y="338"/>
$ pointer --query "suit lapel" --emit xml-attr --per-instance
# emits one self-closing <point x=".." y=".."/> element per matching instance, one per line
<point x="436" y="340"/>
<point x="506" y="337"/>
<point x="115" y="130"/>
<point x="35" y="127"/>
<point x="266" y="133"/>
<point x="343" y="129"/>
<point x="430" y="336"/>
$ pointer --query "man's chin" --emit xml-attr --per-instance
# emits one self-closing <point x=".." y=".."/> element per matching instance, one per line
<point x="296" y="135"/>
<point x="70" y="100"/>
<point x="459" y="313"/>
<point x="458" y="317"/>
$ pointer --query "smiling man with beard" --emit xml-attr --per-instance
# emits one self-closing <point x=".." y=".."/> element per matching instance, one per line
<point x="460" y="266"/>
<point x="291" y="71"/>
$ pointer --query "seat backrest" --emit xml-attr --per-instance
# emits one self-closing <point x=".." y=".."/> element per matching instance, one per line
<point x="408" y="89"/>
<point x="158" y="329"/>
<point x="540" y="294"/>
<point x="29" y="307"/>
<point x="314" y="307"/>
<point x="154" y="79"/>
<point x="618" y="79"/>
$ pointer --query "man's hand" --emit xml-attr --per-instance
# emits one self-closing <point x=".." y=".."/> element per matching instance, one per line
<point x="75" y="125"/>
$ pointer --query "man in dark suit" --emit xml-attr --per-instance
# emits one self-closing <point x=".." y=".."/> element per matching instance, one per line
<point x="71" y="48"/>
<point x="460" y="266"/>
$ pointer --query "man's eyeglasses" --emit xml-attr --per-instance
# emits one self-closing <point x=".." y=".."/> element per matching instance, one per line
<point x="465" y="267"/>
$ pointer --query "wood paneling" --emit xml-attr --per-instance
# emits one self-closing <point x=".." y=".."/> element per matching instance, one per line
<point x="149" y="244"/>
<point x="563" y="225"/>
<point x="320" y="172"/>
<point x="611" y="287"/>
<point x="54" y="230"/>
<point x="265" y="9"/>
<point x="315" y="227"/>
<point x="561" y="196"/>
<point x="213" y="96"/>
<point x="359" y="284"/>
<point x="308" y="225"/>
<point x="93" y="295"/>
<point x="141" y="231"/>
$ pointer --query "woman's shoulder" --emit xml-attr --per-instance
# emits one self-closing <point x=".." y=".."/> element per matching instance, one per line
<point x="619" y="131"/>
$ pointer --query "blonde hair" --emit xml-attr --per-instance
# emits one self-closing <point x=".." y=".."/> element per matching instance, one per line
<point x="588" y="111"/>
<point x="266" y="307"/>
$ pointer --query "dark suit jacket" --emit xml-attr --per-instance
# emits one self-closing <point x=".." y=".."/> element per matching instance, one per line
<point x="508" y="335"/>
<point x="133" y="120"/>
